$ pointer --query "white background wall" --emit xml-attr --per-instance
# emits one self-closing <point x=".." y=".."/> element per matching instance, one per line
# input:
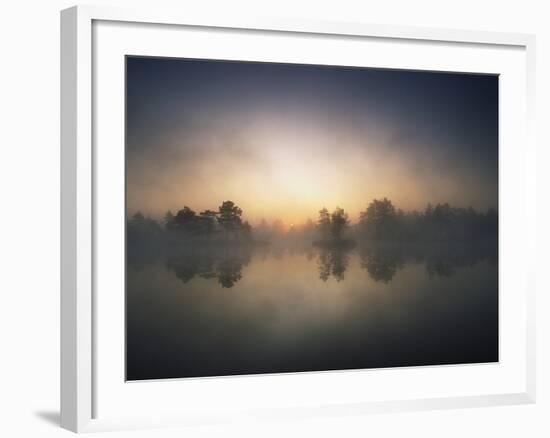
<point x="29" y="216"/>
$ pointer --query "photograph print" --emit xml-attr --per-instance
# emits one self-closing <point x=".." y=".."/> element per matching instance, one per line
<point x="285" y="218"/>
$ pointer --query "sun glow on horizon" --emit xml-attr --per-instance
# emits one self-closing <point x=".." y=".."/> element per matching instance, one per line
<point x="282" y="142"/>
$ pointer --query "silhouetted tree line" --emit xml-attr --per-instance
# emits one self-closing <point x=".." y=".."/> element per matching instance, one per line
<point x="332" y="226"/>
<point x="226" y="220"/>
<point x="385" y="249"/>
<point x="382" y="221"/>
<point x="225" y="223"/>
<point x="144" y="240"/>
<point x="140" y="224"/>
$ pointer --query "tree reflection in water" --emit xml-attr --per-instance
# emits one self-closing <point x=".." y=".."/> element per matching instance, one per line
<point x="382" y="262"/>
<point x="224" y="264"/>
<point x="381" y="265"/>
<point x="333" y="262"/>
<point x="333" y="257"/>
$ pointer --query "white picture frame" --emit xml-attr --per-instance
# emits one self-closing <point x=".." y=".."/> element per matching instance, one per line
<point x="79" y="199"/>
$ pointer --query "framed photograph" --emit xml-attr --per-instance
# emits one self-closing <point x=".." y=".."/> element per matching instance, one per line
<point x="269" y="219"/>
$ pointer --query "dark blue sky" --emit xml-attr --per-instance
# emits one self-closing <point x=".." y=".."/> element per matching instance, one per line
<point x="286" y="139"/>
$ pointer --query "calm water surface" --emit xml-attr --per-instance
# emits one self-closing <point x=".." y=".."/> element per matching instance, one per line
<point x="211" y="312"/>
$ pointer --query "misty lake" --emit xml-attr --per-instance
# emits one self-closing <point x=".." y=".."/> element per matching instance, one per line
<point x="235" y="310"/>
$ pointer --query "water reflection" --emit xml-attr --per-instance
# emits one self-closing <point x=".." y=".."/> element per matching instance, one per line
<point x="381" y="266"/>
<point x="306" y="308"/>
<point x="381" y="262"/>
<point x="333" y="262"/>
<point x="222" y="264"/>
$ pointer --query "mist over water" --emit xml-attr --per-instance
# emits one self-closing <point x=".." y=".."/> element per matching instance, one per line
<point x="268" y="309"/>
